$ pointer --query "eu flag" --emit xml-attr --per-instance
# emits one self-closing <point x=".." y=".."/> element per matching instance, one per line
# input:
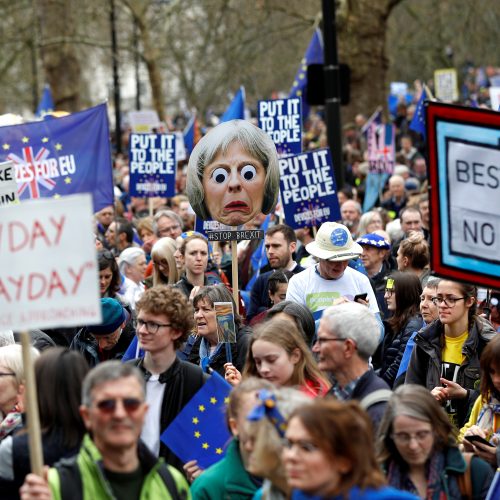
<point x="494" y="491"/>
<point x="236" y="109"/>
<point x="62" y="156"/>
<point x="418" y="121"/>
<point x="189" y="132"/>
<point x="313" y="55"/>
<point x="46" y="104"/>
<point x="199" y="432"/>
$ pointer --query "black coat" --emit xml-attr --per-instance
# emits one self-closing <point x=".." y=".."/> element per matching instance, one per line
<point x="390" y="351"/>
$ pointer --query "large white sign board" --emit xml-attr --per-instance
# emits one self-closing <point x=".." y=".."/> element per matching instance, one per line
<point x="48" y="271"/>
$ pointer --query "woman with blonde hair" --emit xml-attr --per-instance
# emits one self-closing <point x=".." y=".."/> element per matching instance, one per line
<point x="413" y="256"/>
<point x="164" y="266"/>
<point x="279" y="354"/>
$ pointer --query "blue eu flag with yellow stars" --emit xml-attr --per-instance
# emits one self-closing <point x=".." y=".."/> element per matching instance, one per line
<point x="418" y="121"/>
<point x="313" y="55"/>
<point x="62" y="156"/>
<point x="199" y="432"/>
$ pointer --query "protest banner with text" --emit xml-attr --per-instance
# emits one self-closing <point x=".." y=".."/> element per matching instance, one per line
<point x="49" y="275"/>
<point x="464" y="167"/>
<point x="152" y="165"/>
<point x="308" y="189"/>
<point x="282" y="120"/>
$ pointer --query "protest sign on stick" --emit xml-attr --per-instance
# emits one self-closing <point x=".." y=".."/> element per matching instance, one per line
<point x="48" y="278"/>
<point x="282" y="120"/>
<point x="152" y="165"/>
<point x="308" y="189"/>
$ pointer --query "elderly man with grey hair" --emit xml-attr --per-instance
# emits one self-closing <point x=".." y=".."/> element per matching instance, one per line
<point x="348" y="335"/>
<point x="167" y="223"/>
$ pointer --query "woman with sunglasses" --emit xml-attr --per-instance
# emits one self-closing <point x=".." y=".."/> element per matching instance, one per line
<point x="446" y="354"/>
<point x="418" y="450"/>
<point x="402" y="296"/>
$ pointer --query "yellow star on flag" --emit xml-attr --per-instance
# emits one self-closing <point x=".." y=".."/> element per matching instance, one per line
<point x="195" y="420"/>
<point x="205" y="446"/>
<point x="56" y="196"/>
<point x="201" y="408"/>
<point x="67" y="180"/>
<point x="213" y="400"/>
<point x="218" y="451"/>
<point x="58" y="146"/>
<point x="25" y="139"/>
<point x="45" y="139"/>
<point x="6" y="146"/>
<point x="226" y="400"/>
<point x="197" y="434"/>
<point x="299" y="92"/>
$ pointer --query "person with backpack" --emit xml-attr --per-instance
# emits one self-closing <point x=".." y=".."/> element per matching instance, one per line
<point x="112" y="463"/>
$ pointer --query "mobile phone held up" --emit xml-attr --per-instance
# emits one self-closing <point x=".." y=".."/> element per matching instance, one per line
<point x="477" y="439"/>
<point x="361" y="296"/>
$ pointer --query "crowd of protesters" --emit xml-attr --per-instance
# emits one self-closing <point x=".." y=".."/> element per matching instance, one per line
<point x="356" y="373"/>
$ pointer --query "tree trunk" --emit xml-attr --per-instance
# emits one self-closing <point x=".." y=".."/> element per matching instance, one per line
<point x="361" y="31"/>
<point x="60" y="61"/>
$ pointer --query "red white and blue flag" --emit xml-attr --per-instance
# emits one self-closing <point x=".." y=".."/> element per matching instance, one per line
<point x="381" y="148"/>
<point x="62" y="156"/>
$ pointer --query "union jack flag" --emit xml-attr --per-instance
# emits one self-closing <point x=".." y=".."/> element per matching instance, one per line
<point x="30" y="160"/>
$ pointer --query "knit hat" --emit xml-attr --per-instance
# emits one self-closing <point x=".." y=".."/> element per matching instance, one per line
<point x="334" y="242"/>
<point x="374" y="240"/>
<point x="113" y="316"/>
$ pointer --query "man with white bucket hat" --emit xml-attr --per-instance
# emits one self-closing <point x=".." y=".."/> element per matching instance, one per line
<point x="319" y="285"/>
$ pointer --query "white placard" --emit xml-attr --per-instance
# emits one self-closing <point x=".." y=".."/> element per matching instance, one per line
<point x="48" y="271"/>
<point x="144" y="121"/>
<point x="474" y="190"/>
<point x="8" y="184"/>
<point x="446" y="84"/>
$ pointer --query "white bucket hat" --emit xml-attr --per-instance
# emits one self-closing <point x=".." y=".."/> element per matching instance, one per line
<point x="334" y="242"/>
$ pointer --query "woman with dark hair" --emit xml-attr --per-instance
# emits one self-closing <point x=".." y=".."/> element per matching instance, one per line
<point x="402" y="295"/>
<point x="109" y="274"/>
<point x="59" y="374"/>
<point x="484" y="420"/>
<point x="277" y="286"/>
<point x="329" y="454"/>
<point x="446" y="355"/>
<point x="299" y="314"/>
<point x="418" y="450"/>
<point x="206" y="348"/>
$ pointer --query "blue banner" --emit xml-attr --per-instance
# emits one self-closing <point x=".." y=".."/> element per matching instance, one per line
<point x="282" y="120"/>
<point x="152" y="165"/>
<point x="199" y="432"/>
<point x="313" y="55"/>
<point x="308" y="189"/>
<point x="62" y="156"/>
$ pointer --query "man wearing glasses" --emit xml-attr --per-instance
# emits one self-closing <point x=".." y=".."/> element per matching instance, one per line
<point x="348" y="335"/>
<point x="112" y="462"/>
<point x="164" y="321"/>
<point x="167" y="223"/>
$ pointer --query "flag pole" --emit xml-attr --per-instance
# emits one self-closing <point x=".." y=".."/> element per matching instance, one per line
<point x="32" y="414"/>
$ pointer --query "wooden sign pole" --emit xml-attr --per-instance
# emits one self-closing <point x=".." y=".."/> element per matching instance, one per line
<point x="234" y="270"/>
<point x="31" y="403"/>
